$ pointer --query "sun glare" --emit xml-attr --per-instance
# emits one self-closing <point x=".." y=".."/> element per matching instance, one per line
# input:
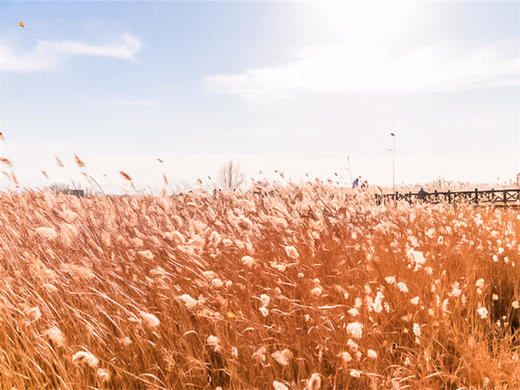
<point x="364" y="17"/>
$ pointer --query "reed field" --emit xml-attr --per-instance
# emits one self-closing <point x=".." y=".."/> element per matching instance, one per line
<point x="303" y="286"/>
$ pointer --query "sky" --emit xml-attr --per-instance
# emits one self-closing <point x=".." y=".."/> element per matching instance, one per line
<point x="310" y="88"/>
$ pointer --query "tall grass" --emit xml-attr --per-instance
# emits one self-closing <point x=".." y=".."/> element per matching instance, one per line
<point x="297" y="288"/>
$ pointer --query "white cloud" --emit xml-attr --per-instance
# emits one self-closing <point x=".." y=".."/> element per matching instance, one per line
<point x="47" y="54"/>
<point x="33" y="61"/>
<point x="344" y="69"/>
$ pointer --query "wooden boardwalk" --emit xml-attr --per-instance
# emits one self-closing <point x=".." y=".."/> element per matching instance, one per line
<point x="492" y="197"/>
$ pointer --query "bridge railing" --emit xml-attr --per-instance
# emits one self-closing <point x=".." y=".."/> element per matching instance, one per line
<point x="501" y="197"/>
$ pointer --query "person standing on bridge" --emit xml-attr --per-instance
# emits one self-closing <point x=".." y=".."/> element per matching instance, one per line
<point x="421" y="195"/>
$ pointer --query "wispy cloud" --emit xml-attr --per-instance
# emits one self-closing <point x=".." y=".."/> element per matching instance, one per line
<point x="344" y="69"/>
<point x="125" y="48"/>
<point x="46" y="55"/>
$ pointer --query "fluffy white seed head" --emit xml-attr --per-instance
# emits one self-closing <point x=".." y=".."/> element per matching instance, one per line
<point x="214" y="341"/>
<point x="282" y="357"/>
<point x="355" y="329"/>
<point x="103" y="375"/>
<point x="314" y="382"/>
<point x="291" y="252"/>
<point x="55" y="335"/>
<point x="279" y="386"/>
<point x="248" y="261"/>
<point x="265" y="299"/>
<point x="345" y="357"/>
<point x="188" y="301"/>
<point x="149" y="319"/>
<point x="355" y="373"/>
<point x="85" y="357"/>
<point x="34" y="313"/>
<point x="46" y="233"/>
<point x="259" y="354"/>
<point x="483" y="312"/>
<point x="371" y="354"/>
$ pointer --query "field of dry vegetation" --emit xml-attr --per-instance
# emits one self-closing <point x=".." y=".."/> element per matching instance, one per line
<point x="296" y="289"/>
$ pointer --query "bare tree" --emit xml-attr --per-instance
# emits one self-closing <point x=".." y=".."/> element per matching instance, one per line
<point x="231" y="176"/>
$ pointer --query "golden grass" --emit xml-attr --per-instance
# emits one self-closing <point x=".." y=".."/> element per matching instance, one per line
<point x="299" y="288"/>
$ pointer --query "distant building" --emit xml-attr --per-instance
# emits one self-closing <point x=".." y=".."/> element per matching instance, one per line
<point x="68" y="191"/>
<point x="62" y="188"/>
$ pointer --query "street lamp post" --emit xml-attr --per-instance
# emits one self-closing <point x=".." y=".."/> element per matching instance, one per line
<point x="349" y="169"/>
<point x="393" y="161"/>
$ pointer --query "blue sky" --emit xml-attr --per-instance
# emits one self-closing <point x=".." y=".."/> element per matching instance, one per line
<point x="290" y="86"/>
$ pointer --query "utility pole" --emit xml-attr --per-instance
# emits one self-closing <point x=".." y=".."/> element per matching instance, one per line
<point x="393" y="161"/>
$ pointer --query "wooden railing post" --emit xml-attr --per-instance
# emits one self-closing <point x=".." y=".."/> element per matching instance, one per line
<point x="436" y="196"/>
<point x="449" y="196"/>
<point x="505" y="197"/>
<point x="476" y="195"/>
